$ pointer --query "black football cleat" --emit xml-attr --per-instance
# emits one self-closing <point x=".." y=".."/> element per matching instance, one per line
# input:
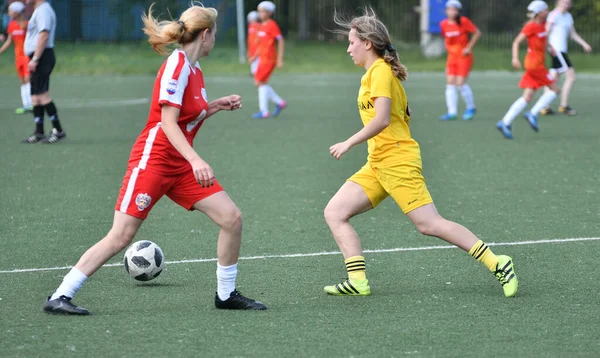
<point x="54" y="137"/>
<point x="238" y="302"/>
<point x="63" y="305"/>
<point x="34" y="138"/>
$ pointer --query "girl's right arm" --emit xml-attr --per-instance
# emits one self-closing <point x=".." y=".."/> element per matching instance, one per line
<point x="6" y="44"/>
<point x="515" y="50"/>
<point x="202" y="171"/>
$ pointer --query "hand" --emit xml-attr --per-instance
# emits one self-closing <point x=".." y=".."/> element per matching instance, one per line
<point x="339" y="149"/>
<point x="32" y="65"/>
<point x="587" y="48"/>
<point x="2" y="38"/>
<point x="203" y="173"/>
<point x="516" y="63"/>
<point x="466" y="51"/>
<point x="230" y="103"/>
<point x="279" y="63"/>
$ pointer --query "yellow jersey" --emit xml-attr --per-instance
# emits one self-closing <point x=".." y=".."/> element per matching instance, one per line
<point x="394" y="145"/>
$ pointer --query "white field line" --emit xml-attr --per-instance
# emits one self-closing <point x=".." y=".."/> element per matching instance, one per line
<point x="97" y="103"/>
<point x="329" y="253"/>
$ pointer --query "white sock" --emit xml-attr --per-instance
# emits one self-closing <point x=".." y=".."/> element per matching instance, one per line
<point x="543" y="102"/>
<point x="226" y="280"/>
<point x="263" y="99"/>
<point x="467" y="95"/>
<point x="26" y="95"/>
<point x="451" y="99"/>
<point x="273" y="96"/>
<point x="514" y="111"/>
<point x="70" y="285"/>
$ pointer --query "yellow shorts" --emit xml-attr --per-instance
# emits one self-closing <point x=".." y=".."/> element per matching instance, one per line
<point x="404" y="183"/>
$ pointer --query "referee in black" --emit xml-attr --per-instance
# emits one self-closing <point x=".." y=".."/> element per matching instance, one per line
<point x="39" y="46"/>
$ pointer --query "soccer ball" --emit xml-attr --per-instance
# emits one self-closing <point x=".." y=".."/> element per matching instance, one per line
<point x="144" y="260"/>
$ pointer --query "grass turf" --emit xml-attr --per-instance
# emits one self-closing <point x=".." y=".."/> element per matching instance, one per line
<point x="58" y="200"/>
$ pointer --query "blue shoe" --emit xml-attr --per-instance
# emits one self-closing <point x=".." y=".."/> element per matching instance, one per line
<point x="469" y="114"/>
<point x="532" y="119"/>
<point x="260" y="115"/>
<point x="279" y="108"/>
<point x="448" y="117"/>
<point x="504" y="129"/>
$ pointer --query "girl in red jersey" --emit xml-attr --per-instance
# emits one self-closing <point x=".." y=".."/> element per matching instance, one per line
<point x="536" y="74"/>
<point x="164" y="162"/>
<point x="17" y="29"/>
<point x="455" y="30"/>
<point x="253" y="26"/>
<point x="269" y="37"/>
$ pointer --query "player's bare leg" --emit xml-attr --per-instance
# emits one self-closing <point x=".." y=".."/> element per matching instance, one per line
<point x="566" y="92"/>
<point x="429" y="222"/>
<point x="349" y="201"/>
<point x="222" y="211"/>
<point x="119" y="237"/>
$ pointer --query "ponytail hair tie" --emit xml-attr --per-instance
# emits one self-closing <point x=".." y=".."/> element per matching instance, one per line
<point x="182" y="24"/>
<point x="390" y="48"/>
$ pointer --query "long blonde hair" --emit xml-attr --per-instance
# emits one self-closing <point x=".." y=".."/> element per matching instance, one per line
<point x="191" y="23"/>
<point x="369" y="28"/>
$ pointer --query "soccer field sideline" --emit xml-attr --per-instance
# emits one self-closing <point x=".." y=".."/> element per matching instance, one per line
<point x="328" y="253"/>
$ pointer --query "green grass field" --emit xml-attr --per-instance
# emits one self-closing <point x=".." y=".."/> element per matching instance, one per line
<point x="427" y="301"/>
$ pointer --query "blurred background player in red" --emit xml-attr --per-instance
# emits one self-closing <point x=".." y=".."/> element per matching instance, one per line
<point x="163" y="162"/>
<point x="536" y="74"/>
<point x="16" y="31"/>
<point x="560" y="26"/>
<point x="270" y="55"/>
<point x="456" y="30"/>
<point x="253" y="26"/>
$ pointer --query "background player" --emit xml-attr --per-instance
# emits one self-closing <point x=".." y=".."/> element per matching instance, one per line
<point x="16" y="30"/>
<point x="269" y="37"/>
<point x="393" y="165"/>
<point x="253" y="26"/>
<point x="560" y="26"/>
<point x="455" y="30"/>
<point x="164" y="162"/>
<point x="536" y="74"/>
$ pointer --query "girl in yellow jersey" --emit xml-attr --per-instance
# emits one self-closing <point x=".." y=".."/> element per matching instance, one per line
<point x="393" y="166"/>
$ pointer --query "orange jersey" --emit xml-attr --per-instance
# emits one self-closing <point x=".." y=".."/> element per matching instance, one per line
<point x="268" y="34"/>
<point x="536" y="45"/>
<point x="17" y="33"/>
<point x="456" y="36"/>
<point x="252" y="38"/>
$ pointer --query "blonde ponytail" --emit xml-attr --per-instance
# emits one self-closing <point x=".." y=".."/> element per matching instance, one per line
<point x="392" y="57"/>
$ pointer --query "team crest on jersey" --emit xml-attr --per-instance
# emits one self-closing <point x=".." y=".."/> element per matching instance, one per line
<point x="204" y="95"/>
<point x="172" y="87"/>
<point x="143" y="201"/>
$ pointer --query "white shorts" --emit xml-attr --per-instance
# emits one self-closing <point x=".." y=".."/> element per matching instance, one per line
<point x="254" y="66"/>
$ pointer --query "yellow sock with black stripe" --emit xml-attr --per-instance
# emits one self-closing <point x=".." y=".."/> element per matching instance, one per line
<point x="355" y="266"/>
<point x="482" y="253"/>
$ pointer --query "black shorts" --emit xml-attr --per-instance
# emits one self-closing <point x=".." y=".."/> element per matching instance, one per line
<point x="561" y="62"/>
<point x="40" y="79"/>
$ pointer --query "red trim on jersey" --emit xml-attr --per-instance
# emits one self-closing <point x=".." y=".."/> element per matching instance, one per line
<point x="168" y="103"/>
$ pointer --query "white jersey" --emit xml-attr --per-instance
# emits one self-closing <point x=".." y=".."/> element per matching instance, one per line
<point x="43" y="19"/>
<point x="562" y="24"/>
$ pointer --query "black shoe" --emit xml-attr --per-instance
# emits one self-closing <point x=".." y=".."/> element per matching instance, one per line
<point x="34" y="138"/>
<point x="63" y="305"/>
<point x="547" y="112"/>
<point x="567" y="110"/>
<point x="238" y="302"/>
<point x="54" y="137"/>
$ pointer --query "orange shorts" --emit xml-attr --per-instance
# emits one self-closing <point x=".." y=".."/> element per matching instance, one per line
<point x="536" y="79"/>
<point x="459" y="66"/>
<point x="22" y="65"/>
<point x="142" y="189"/>
<point x="264" y="71"/>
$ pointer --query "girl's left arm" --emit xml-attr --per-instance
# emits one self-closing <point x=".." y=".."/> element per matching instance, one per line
<point x="474" y="38"/>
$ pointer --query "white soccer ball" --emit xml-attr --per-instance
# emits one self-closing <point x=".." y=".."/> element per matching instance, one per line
<point x="144" y="260"/>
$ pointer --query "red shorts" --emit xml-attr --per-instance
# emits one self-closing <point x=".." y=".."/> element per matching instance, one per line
<point x="142" y="189"/>
<point x="459" y="66"/>
<point x="22" y="64"/>
<point x="264" y="71"/>
<point x="535" y="79"/>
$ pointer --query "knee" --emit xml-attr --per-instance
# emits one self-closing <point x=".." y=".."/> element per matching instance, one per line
<point x="528" y="97"/>
<point x="231" y="220"/>
<point x="121" y="237"/>
<point x="430" y="227"/>
<point x="334" y="215"/>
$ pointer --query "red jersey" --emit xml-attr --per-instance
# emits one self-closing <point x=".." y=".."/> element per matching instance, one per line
<point x="456" y="36"/>
<point x="252" y="38"/>
<point x="536" y="45"/>
<point x="17" y="33"/>
<point x="268" y="35"/>
<point x="178" y="84"/>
